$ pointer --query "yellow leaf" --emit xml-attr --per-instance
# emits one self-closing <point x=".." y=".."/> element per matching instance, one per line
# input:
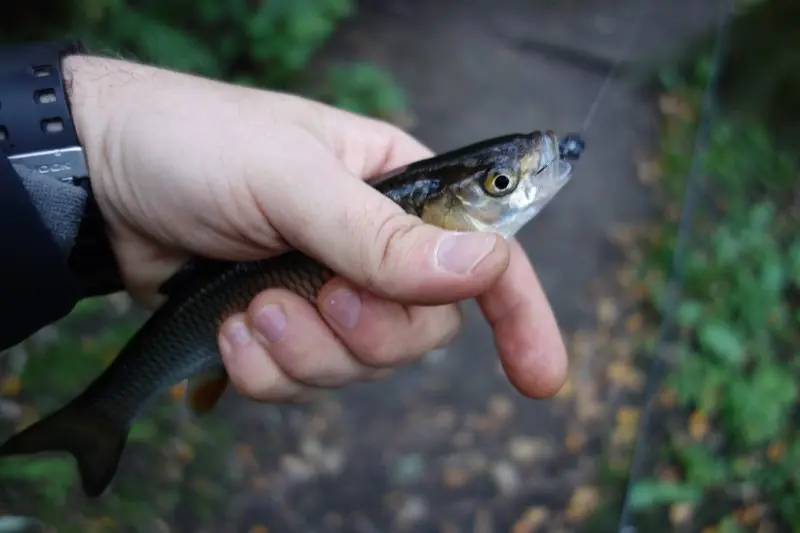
<point x="680" y="513"/>
<point x="607" y="312"/>
<point x="530" y="522"/>
<point x="776" y="451"/>
<point x="454" y="477"/>
<point x="649" y="172"/>
<point x="625" y="376"/>
<point x="528" y="449"/>
<point x="575" y="440"/>
<point x="10" y="386"/>
<point x="582" y="503"/>
<point x="634" y="323"/>
<point x="628" y="416"/>
<point x="668" y="397"/>
<point x="588" y="407"/>
<point x="698" y="425"/>
<point x="500" y="406"/>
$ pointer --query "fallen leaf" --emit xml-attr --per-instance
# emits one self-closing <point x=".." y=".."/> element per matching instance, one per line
<point x="259" y="528"/>
<point x="668" y="397"/>
<point x="500" y="406"/>
<point x="626" y="428"/>
<point x="184" y="451"/>
<point x="623" y="235"/>
<point x="751" y="514"/>
<point x="260" y="482"/>
<point x="531" y="521"/>
<point x="10" y="385"/>
<point x="587" y="406"/>
<point x="607" y="312"/>
<point x="680" y="513"/>
<point x="698" y="424"/>
<point x="625" y="375"/>
<point x="575" y="440"/>
<point x="649" y="172"/>
<point x="634" y="323"/>
<point x="776" y="450"/>
<point x="455" y="477"/>
<point x="413" y="510"/>
<point x="528" y="449"/>
<point x="296" y="468"/>
<point x="506" y="477"/>
<point x="582" y="503"/>
<point x="672" y="106"/>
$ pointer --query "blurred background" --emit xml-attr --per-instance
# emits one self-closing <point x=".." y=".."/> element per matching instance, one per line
<point x="446" y="445"/>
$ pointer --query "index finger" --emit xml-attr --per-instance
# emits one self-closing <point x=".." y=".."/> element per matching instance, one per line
<point x="525" y="330"/>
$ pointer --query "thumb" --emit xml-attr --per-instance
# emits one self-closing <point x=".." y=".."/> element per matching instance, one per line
<point x="366" y="237"/>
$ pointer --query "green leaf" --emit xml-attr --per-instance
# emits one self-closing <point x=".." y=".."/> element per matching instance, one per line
<point x="721" y="340"/>
<point x="649" y="493"/>
<point x="690" y="312"/>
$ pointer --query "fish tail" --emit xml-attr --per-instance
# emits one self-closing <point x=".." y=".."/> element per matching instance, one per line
<point x="95" y="442"/>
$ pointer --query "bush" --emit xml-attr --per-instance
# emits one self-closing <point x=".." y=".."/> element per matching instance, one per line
<point x="735" y="367"/>
<point x="264" y="43"/>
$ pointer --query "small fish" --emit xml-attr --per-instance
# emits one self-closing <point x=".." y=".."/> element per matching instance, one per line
<point x="497" y="185"/>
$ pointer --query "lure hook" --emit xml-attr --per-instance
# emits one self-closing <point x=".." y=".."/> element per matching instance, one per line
<point x="571" y="146"/>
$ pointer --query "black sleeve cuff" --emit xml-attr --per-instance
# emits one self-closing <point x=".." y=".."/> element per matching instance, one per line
<point x="36" y="285"/>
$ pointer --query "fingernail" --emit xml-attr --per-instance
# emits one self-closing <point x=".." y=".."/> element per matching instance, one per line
<point x="461" y="252"/>
<point x="344" y="307"/>
<point x="270" y="322"/>
<point x="238" y="334"/>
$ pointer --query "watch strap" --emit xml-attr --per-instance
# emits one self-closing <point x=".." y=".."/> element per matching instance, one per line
<point x="39" y="138"/>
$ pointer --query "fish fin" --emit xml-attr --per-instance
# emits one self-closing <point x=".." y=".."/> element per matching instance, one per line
<point x="95" y="442"/>
<point x="195" y="273"/>
<point x="205" y="390"/>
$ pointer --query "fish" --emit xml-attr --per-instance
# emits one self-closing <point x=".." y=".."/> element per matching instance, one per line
<point x="496" y="185"/>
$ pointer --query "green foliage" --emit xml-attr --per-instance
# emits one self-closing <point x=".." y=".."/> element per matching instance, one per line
<point x="265" y="44"/>
<point x="738" y="316"/>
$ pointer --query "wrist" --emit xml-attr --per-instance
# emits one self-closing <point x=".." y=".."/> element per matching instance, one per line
<point x="46" y="147"/>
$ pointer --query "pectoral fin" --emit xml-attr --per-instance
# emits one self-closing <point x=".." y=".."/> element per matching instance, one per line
<point x="205" y="390"/>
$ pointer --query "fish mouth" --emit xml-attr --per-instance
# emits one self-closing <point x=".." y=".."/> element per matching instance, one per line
<point x="550" y="180"/>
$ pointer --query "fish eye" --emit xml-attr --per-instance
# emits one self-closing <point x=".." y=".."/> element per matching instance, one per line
<point x="499" y="184"/>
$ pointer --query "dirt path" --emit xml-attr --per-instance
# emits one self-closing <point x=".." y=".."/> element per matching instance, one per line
<point x="447" y="445"/>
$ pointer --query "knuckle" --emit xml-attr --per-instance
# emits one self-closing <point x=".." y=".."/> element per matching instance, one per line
<point x="385" y="251"/>
<point x="382" y="353"/>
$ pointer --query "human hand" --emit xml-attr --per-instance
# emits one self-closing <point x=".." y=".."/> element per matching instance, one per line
<point x="186" y="166"/>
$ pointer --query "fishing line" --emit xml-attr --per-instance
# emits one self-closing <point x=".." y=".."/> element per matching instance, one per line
<point x="572" y="145"/>
<point x="674" y="282"/>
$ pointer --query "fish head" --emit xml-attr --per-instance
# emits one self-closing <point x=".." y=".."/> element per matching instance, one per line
<point x="502" y="186"/>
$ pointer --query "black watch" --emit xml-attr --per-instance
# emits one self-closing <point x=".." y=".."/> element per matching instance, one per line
<point x="39" y="139"/>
